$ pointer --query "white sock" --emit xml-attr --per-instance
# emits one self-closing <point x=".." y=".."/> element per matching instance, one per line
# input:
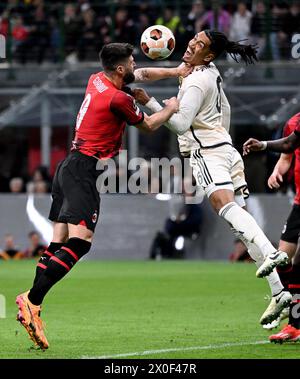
<point x="273" y="279"/>
<point x="245" y="224"/>
<point x="254" y="252"/>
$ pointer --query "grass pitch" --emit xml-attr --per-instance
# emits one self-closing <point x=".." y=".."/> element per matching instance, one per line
<point x="171" y="309"/>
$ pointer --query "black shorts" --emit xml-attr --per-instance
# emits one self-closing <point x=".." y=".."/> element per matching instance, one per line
<point x="76" y="199"/>
<point x="291" y="229"/>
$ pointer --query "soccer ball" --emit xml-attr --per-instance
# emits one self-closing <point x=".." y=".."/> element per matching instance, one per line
<point x="157" y="42"/>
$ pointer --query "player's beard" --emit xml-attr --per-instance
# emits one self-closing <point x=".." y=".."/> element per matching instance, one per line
<point x="128" y="78"/>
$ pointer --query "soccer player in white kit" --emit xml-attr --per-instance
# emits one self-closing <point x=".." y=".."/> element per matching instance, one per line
<point x="202" y="125"/>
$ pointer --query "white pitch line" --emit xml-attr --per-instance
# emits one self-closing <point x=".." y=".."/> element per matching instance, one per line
<point x="172" y="350"/>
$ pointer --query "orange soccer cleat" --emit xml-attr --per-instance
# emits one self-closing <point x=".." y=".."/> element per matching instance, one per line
<point x="287" y="334"/>
<point x="29" y="317"/>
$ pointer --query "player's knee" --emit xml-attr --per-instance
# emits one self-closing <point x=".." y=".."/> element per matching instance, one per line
<point x="218" y="200"/>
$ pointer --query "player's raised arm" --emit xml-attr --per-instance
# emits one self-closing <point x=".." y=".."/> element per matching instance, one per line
<point x="282" y="145"/>
<point x="157" y="73"/>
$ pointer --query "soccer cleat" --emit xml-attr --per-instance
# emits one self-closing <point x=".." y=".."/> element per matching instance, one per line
<point x="287" y="334"/>
<point x="277" y="304"/>
<point x="29" y="317"/>
<point x="274" y="324"/>
<point x="278" y="258"/>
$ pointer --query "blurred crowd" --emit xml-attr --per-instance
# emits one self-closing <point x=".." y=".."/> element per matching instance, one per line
<point x="39" y="182"/>
<point x="43" y="30"/>
<point x="11" y="251"/>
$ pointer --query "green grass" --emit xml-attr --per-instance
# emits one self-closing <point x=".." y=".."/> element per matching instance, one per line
<point x="108" y="308"/>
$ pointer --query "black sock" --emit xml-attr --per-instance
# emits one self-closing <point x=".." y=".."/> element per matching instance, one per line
<point x="58" y="266"/>
<point x="284" y="275"/>
<point x="294" y="288"/>
<point x="44" y="259"/>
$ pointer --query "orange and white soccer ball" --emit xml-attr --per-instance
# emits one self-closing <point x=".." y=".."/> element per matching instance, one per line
<point x="157" y="42"/>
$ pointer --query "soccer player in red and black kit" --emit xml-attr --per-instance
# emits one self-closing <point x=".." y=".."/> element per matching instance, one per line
<point x="289" y="146"/>
<point x="75" y="208"/>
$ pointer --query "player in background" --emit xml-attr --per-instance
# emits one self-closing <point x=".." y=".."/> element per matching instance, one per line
<point x="100" y="125"/>
<point x="291" y="229"/>
<point x="290" y="237"/>
<point x="202" y="124"/>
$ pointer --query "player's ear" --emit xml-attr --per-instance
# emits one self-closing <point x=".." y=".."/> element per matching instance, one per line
<point x="209" y="57"/>
<point x="120" y="70"/>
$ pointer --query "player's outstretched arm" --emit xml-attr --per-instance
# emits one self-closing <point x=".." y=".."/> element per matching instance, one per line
<point x="157" y="73"/>
<point x="283" y="145"/>
<point x="181" y="121"/>
<point x="153" y="122"/>
<point x="282" y="166"/>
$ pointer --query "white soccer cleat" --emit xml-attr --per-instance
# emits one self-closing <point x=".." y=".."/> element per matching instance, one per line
<point x="274" y="324"/>
<point x="277" y="304"/>
<point x="277" y="258"/>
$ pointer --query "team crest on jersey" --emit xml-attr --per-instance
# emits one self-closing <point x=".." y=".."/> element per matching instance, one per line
<point x="94" y="217"/>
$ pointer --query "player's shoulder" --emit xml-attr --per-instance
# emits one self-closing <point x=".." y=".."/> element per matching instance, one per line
<point x="121" y="98"/>
<point x="293" y="124"/>
<point x="202" y="76"/>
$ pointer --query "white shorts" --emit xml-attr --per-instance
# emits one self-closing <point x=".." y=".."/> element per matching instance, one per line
<point x="219" y="168"/>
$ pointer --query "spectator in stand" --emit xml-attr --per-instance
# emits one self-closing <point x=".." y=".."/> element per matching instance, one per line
<point x="10" y="251"/>
<point x="259" y="27"/>
<point x="20" y="34"/>
<point x="223" y="20"/>
<point x="276" y="26"/>
<point x="290" y="26"/>
<point x="36" y="248"/>
<point x="4" y="23"/>
<point x="174" y="23"/>
<point x="41" y="182"/>
<point x="16" y="185"/>
<point x="125" y="30"/>
<point x="71" y="29"/>
<point x="196" y="13"/>
<point x="143" y="23"/>
<point x="241" y="23"/>
<point x="89" y="35"/>
<point x="40" y="34"/>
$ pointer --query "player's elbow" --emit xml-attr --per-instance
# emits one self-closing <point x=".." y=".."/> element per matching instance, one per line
<point x="289" y="147"/>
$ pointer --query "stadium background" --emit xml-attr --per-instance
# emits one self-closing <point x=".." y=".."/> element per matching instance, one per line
<point x="52" y="48"/>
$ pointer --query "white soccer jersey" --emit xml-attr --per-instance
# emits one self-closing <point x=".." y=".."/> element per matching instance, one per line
<point x="212" y="122"/>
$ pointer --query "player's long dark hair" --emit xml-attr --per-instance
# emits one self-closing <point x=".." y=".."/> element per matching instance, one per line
<point x="220" y="43"/>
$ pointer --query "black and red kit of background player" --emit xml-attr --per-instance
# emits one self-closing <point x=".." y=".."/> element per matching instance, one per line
<point x="291" y="229"/>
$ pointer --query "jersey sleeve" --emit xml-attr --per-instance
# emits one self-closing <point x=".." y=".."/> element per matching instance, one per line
<point x="286" y="130"/>
<point x="124" y="107"/>
<point x="297" y="128"/>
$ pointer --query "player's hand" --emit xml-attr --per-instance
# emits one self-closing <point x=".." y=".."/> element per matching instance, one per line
<point x="140" y="96"/>
<point x="172" y="103"/>
<point x="184" y="69"/>
<point x="275" y="180"/>
<point x="252" y="145"/>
